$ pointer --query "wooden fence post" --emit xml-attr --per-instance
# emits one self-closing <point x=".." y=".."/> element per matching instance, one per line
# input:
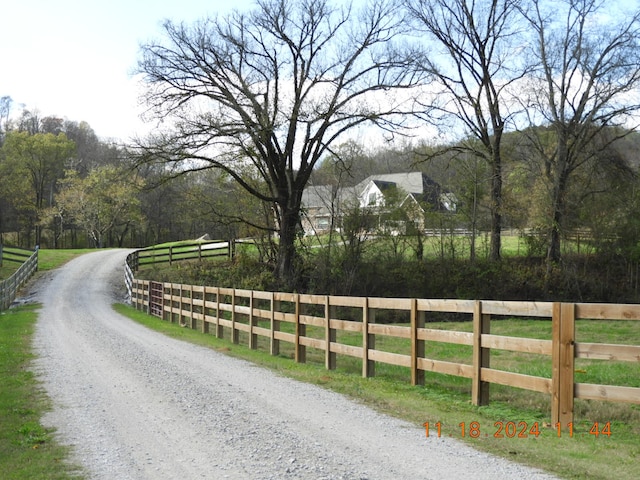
<point x="563" y="359"/>
<point x="329" y="335"/>
<point x="194" y="322"/>
<point x="253" y="337"/>
<point x="417" y="346"/>
<point x="481" y="356"/>
<point x="235" y="333"/>
<point x="555" y="362"/>
<point x="181" y="317"/>
<point x="219" y="327"/>
<point x="205" y="323"/>
<point x="301" y="331"/>
<point x="275" y="326"/>
<point x="179" y="291"/>
<point x="368" y="340"/>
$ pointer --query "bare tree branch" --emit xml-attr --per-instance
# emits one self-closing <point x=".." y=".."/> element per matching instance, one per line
<point x="476" y="65"/>
<point x="274" y="88"/>
<point x="587" y="84"/>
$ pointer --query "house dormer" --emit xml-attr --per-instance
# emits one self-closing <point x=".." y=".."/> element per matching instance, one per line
<point x="373" y="194"/>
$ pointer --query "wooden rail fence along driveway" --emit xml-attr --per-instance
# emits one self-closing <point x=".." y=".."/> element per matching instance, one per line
<point x="262" y="314"/>
<point x="29" y="265"/>
<point x="179" y="252"/>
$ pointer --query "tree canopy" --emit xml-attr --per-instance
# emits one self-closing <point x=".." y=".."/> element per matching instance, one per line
<point x="274" y="88"/>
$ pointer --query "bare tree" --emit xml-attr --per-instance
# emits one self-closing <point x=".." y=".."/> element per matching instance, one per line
<point x="274" y="88"/>
<point x="477" y="63"/>
<point x="588" y="81"/>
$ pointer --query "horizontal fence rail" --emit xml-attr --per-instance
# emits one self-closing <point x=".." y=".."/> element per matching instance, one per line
<point x="285" y="317"/>
<point x="29" y="265"/>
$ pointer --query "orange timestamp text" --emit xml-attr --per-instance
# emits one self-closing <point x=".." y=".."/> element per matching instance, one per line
<point x="514" y="429"/>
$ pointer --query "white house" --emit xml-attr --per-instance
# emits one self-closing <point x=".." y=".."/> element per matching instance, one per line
<point x="323" y="205"/>
<point x="417" y="185"/>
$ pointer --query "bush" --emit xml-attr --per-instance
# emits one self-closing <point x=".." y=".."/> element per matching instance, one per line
<point x="578" y="279"/>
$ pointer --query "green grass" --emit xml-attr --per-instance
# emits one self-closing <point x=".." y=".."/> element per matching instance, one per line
<point x="48" y="259"/>
<point x="27" y="449"/>
<point x="11" y="261"/>
<point x="446" y="399"/>
<point x="7" y="269"/>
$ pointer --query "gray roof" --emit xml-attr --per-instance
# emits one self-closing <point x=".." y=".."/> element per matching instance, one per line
<point x="416" y="183"/>
<point x="320" y="196"/>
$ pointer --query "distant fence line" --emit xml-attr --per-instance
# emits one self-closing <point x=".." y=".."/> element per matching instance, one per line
<point x="261" y="314"/>
<point x="183" y="251"/>
<point x="29" y="265"/>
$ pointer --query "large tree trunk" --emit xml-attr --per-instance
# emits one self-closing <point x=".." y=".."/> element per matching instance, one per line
<point x="496" y="233"/>
<point x="496" y="207"/>
<point x="560" y="181"/>
<point x="554" y="253"/>
<point x="286" y="267"/>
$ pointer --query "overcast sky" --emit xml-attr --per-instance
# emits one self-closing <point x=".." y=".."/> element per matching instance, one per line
<point x="75" y="58"/>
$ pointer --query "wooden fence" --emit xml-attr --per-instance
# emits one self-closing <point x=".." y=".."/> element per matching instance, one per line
<point x="260" y="314"/>
<point x="180" y="252"/>
<point x="176" y="253"/>
<point x="29" y="264"/>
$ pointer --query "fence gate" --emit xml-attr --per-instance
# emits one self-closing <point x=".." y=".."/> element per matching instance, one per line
<point x="156" y="299"/>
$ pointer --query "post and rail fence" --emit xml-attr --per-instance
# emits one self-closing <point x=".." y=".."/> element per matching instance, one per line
<point x="179" y="252"/>
<point x="261" y="314"/>
<point x="29" y="265"/>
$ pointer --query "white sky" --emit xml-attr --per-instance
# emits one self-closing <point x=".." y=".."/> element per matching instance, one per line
<point x="75" y="58"/>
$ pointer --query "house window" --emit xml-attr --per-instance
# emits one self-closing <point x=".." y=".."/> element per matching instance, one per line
<point x="372" y="198"/>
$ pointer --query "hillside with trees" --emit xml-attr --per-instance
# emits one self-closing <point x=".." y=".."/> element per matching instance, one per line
<point x="532" y="108"/>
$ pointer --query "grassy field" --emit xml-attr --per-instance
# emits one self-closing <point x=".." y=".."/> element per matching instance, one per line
<point x="8" y="267"/>
<point x="447" y="245"/>
<point x="50" y="259"/>
<point x="47" y="260"/>
<point x="516" y="423"/>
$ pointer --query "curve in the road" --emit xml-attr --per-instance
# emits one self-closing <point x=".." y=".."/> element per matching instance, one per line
<point x="135" y="404"/>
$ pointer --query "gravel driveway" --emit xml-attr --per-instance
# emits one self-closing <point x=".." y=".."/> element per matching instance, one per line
<point x="135" y="404"/>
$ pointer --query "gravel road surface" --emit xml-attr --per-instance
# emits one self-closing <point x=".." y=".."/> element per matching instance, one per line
<point x="135" y="404"/>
